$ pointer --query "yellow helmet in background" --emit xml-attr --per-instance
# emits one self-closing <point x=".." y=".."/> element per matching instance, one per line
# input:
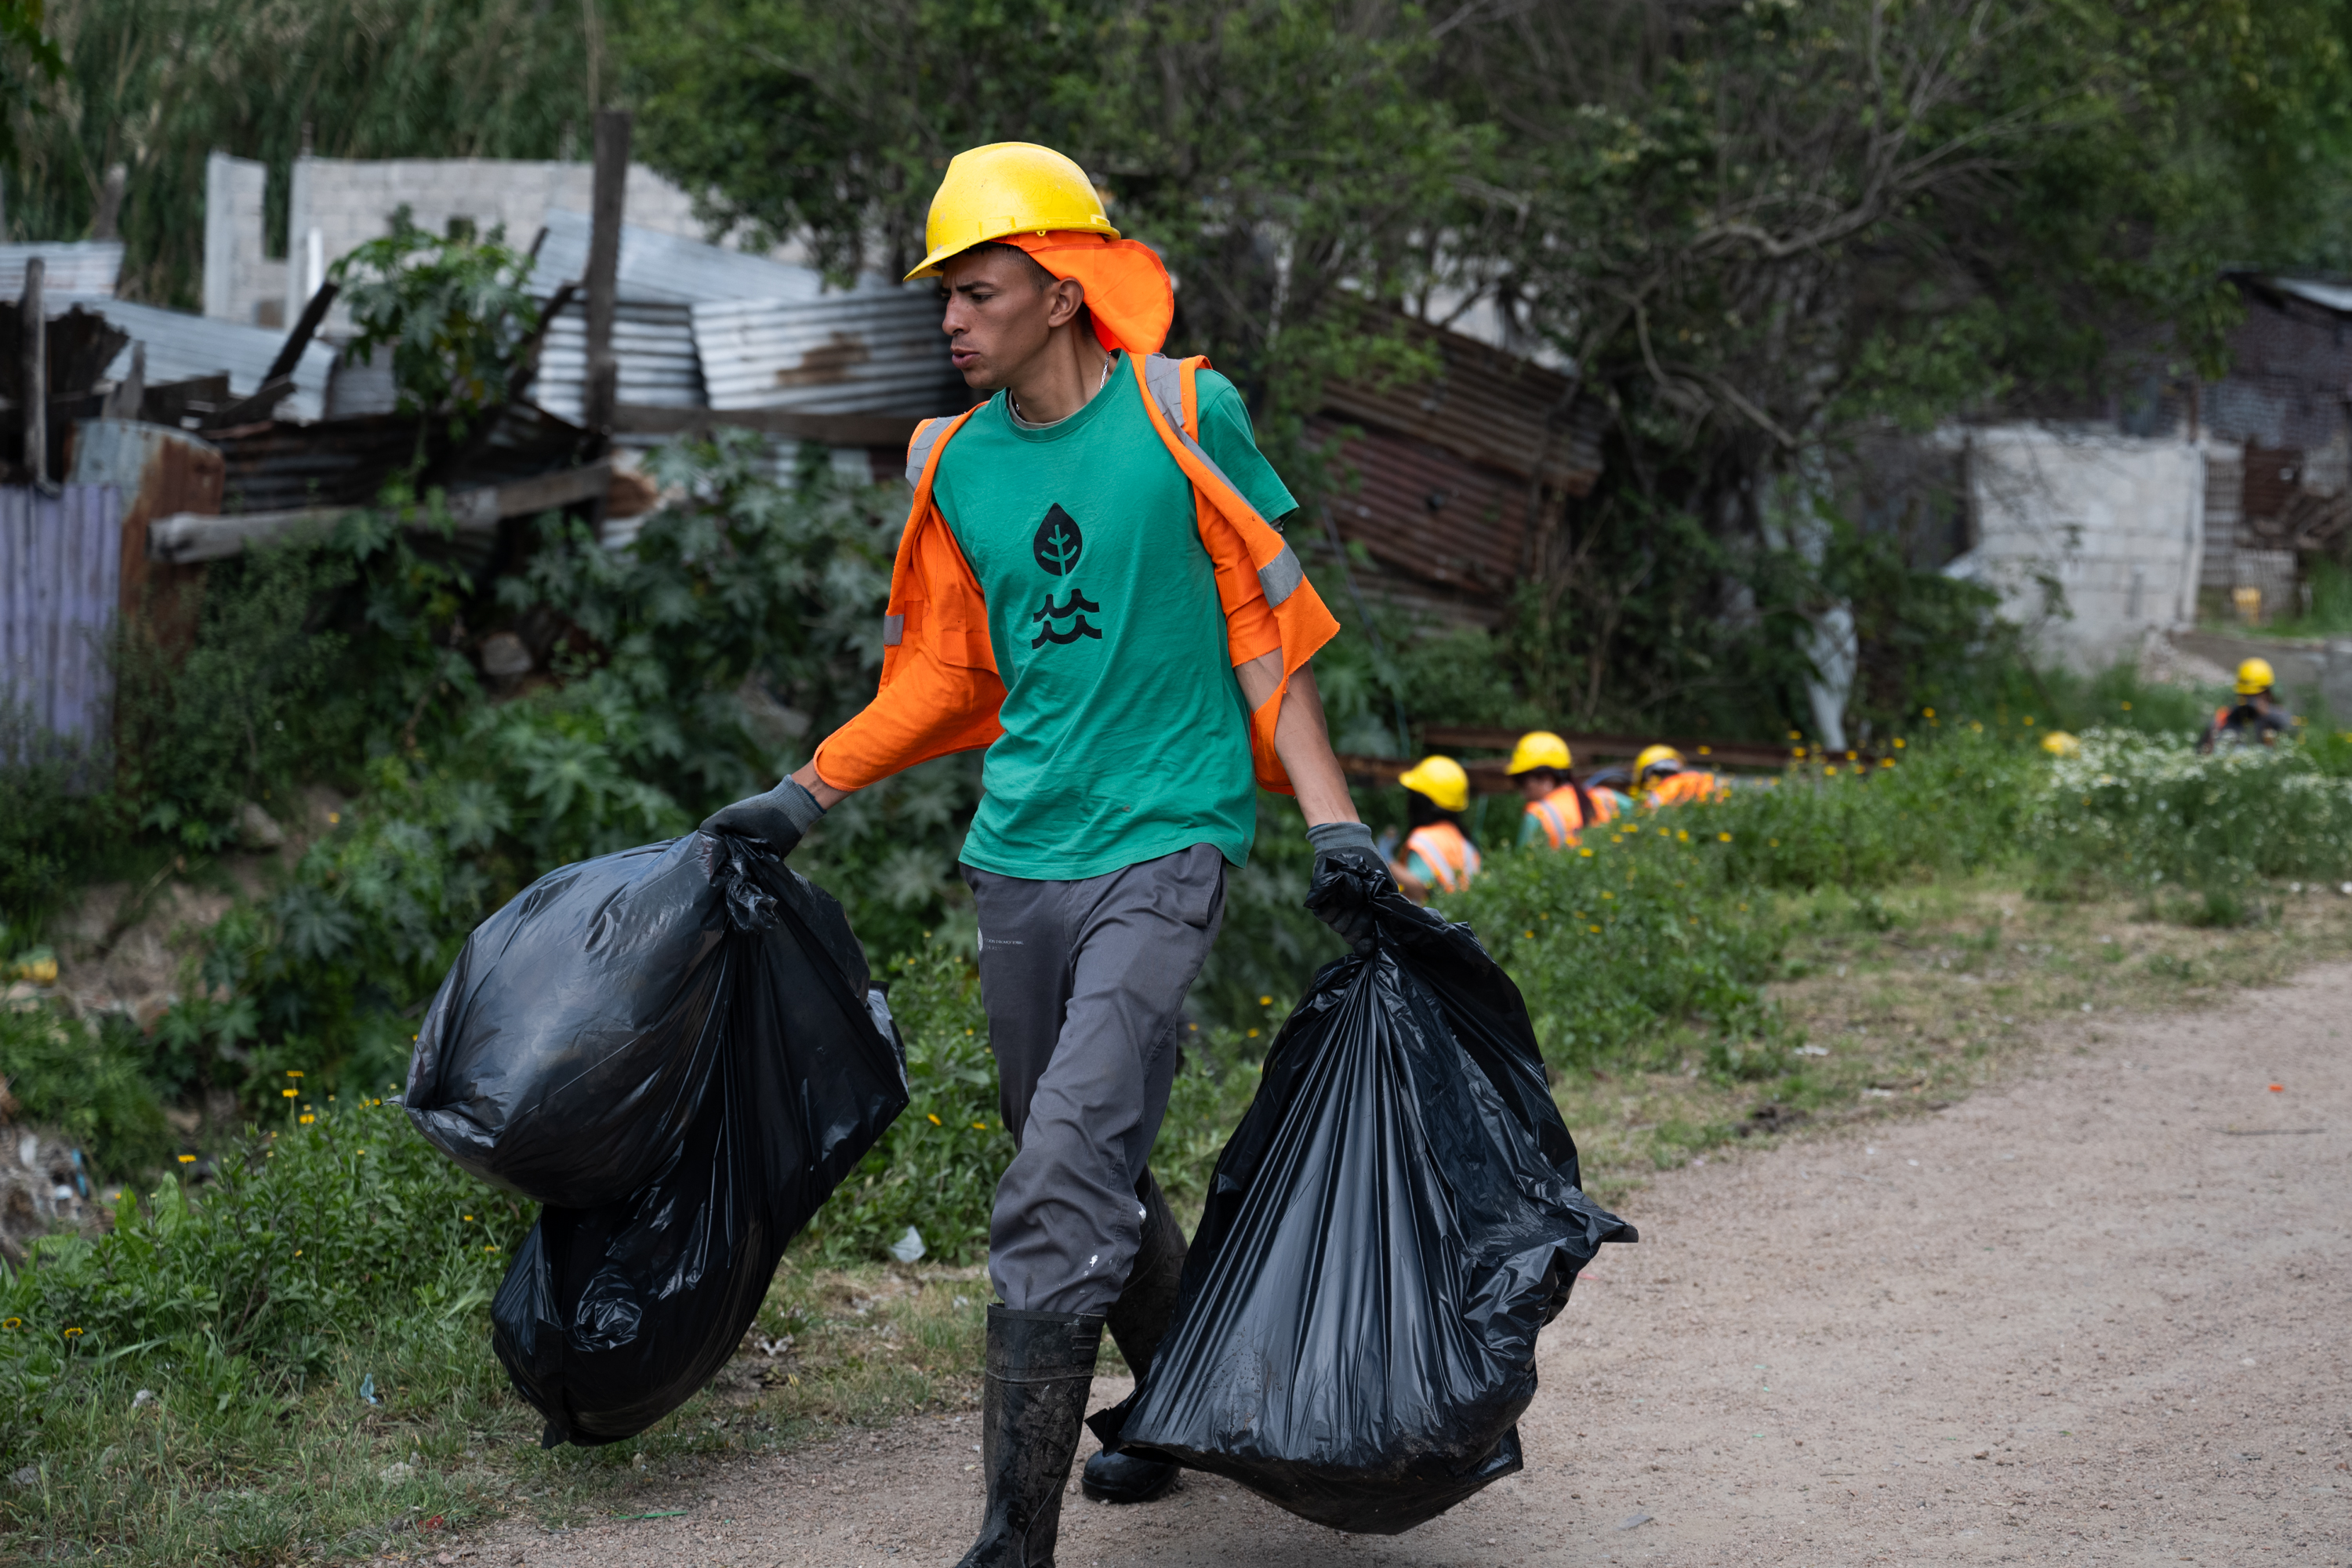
<point x="1540" y="749"/>
<point x="1008" y="187"/>
<point x="1442" y="780"/>
<point x="2255" y="677"/>
<point x="2059" y="744"/>
<point x="1656" y="759"/>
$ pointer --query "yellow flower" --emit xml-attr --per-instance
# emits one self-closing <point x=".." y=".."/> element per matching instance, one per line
<point x="1683" y="836"/>
<point x="935" y="1120"/>
<point x="188" y="1159"/>
<point x="1253" y="1033"/>
<point x="293" y="1072"/>
<point x="1724" y="837"/>
<point x="467" y="1218"/>
<point x="73" y="1333"/>
<point x="1594" y="930"/>
<point x="1587" y="854"/>
<point x="1899" y="739"/>
<point x="1266" y="1001"/>
<point x="1930" y="713"/>
<point x="489" y="1249"/>
<point x="980" y="1127"/>
<point x="298" y="1252"/>
<point x="1529" y="934"/>
<point x="1830" y="769"/>
<point x="12" y="1323"/>
<point x="287" y="1092"/>
<point x="306" y="1120"/>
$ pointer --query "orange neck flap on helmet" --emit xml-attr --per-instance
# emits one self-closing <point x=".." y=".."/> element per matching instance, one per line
<point x="1128" y="290"/>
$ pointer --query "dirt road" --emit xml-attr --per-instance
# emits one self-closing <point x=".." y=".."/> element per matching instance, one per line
<point x="2101" y="1314"/>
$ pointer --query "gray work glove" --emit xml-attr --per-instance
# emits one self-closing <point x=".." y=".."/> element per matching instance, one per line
<point x="1348" y="875"/>
<point x="776" y="819"/>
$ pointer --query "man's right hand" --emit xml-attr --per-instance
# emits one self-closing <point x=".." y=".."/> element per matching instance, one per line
<point x="777" y="820"/>
<point x="1348" y="875"/>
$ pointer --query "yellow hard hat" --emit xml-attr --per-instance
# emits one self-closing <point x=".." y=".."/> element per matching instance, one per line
<point x="1008" y="187"/>
<point x="1442" y="780"/>
<point x="1651" y="759"/>
<point x="1540" y="749"/>
<point x="2254" y="675"/>
<point x="2059" y="744"/>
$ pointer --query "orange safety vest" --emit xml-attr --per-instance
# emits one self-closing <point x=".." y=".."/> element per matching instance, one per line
<point x="1561" y="815"/>
<point x="940" y="690"/>
<point x="1678" y="789"/>
<point x="1452" y="856"/>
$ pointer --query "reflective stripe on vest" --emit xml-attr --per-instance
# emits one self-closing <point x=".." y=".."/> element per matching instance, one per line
<point x="1453" y="858"/>
<point x="1168" y="383"/>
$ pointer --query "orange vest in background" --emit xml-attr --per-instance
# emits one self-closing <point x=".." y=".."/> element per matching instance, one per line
<point x="1449" y="854"/>
<point x="1562" y="815"/>
<point x="1680" y="789"/>
<point x="941" y="692"/>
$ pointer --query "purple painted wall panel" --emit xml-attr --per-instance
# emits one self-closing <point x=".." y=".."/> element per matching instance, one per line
<point x="60" y="567"/>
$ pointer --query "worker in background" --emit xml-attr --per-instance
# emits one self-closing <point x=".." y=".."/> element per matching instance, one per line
<point x="2256" y="718"/>
<point x="1557" y="807"/>
<point x="1660" y="777"/>
<point x="1437" y="856"/>
<point x="1091" y="587"/>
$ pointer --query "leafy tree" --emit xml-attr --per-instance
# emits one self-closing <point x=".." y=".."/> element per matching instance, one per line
<point x="1280" y="153"/>
<point x="157" y="85"/>
<point x="29" y="60"/>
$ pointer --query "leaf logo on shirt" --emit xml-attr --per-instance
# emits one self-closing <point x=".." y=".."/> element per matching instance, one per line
<point x="1058" y="543"/>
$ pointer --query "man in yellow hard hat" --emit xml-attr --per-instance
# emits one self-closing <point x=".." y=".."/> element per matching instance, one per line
<point x="1437" y="856"/>
<point x="2256" y="717"/>
<point x="1557" y="807"/>
<point x="1660" y="777"/>
<point x="1090" y="587"/>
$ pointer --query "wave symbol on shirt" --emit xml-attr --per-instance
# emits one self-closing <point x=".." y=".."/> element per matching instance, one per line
<point x="1079" y="606"/>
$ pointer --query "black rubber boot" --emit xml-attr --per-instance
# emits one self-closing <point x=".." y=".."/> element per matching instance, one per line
<point x="1138" y="1322"/>
<point x="1040" y="1366"/>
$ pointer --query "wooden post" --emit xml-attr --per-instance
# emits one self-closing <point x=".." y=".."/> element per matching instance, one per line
<point x="34" y="335"/>
<point x="603" y="392"/>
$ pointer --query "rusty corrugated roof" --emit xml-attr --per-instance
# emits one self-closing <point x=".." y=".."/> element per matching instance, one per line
<point x="1425" y="511"/>
<point x="1489" y="408"/>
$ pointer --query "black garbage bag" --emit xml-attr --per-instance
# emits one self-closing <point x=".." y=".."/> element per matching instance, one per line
<point x="613" y="1313"/>
<point x="1395" y="1217"/>
<point x="568" y="1050"/>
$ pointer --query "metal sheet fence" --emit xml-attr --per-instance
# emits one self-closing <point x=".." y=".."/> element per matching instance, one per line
<point x="60" y="571"/>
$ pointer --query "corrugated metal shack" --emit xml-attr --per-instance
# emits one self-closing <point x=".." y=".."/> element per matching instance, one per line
<point x="2279" y="434"/>
<point x="1446" y="482"/>
<point x="701" y="327"/>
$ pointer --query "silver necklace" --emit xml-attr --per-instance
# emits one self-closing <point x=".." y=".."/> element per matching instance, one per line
<point x="1015" y="402"/>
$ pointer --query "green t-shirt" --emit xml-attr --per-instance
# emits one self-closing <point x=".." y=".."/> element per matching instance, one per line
<point x="1125" y="735"/>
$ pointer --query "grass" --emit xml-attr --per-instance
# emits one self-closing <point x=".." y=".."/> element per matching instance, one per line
<point x="1830" y="951"/>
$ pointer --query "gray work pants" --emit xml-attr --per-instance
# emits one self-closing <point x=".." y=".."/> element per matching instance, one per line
<point x="1084" y="984"/>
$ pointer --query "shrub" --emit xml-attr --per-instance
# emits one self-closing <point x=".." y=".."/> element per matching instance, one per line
<point x="2147" y="812"/>
<point x="88" y="1082"/>
<point x="339" y="1229"/>
<point x="1632" y="936"/>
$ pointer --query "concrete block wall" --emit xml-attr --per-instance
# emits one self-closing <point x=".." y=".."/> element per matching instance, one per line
<point x="243" y="283"/>
<point x="2117" y="524"/>
<point x="336" y="204"/>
